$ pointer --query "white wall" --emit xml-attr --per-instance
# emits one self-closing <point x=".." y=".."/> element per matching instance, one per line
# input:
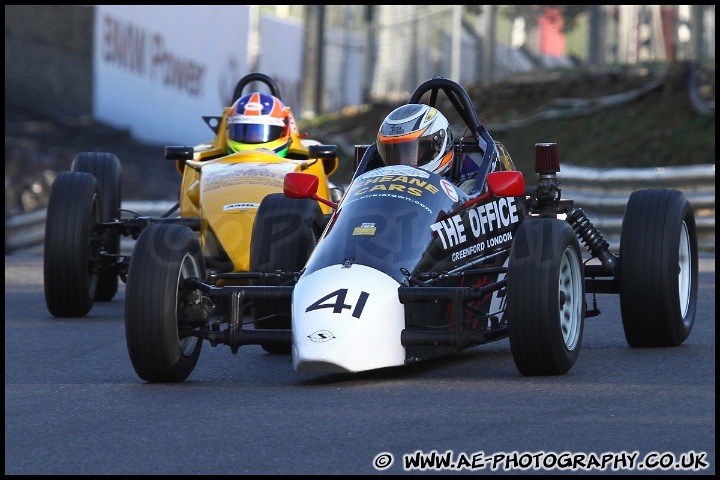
<point x="159" y="69"/>
<point x="281" y="56"/>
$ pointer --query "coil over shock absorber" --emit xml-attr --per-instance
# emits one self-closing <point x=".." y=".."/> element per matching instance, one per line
<point x="592" y="238"/>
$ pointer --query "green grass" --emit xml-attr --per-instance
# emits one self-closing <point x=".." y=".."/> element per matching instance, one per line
<point x="646" y="133"/>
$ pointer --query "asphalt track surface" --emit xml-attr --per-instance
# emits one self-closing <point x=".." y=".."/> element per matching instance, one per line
<point x="74" y="405"/>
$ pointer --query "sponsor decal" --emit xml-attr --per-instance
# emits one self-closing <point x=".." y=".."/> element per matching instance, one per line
<point x="449" y="189"/>
<point x="479" y="247"/>
<point x="144" y="53"/>
<point x="256" y="106"/>
<point x="243" y="206"/>
<point x="229" y="174"/>
<point x="488" y="225"/>
<point x="410" y="185"/>
<point x="451" y="231"/>
<point x="243" y="180"/>
<point x="365" y="229"/>
<point x="397" y="170"/>
<point x="400" y="181"/>
<point x="321" y="336"/>
<point x="495" y="215"/>
<point x="237" y="170"/>
<point x="349" y="200"/>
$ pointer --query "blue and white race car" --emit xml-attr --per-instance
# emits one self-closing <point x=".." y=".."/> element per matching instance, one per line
<point x="410" y="267"/>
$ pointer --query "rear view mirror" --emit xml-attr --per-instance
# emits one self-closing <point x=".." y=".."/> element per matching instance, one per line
<point x="501" y="184"/>
<point x="300" y="185"/>
<point x="506" y="184"/>
<point x="304" y="185"/>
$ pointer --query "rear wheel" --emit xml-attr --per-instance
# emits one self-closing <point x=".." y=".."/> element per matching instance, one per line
<point x="546" y="297"/>
<point x="159" y="309"/>
<point x="105" y="167"/>
<point x="658" y="268"/>
<point x="285" y="233"/>
<point x="70" y="275"/>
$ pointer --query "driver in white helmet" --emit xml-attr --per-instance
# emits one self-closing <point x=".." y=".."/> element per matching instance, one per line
<point x="419" y="135"/>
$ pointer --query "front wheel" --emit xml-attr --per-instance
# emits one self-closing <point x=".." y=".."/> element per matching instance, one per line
<point x="285" y="233"/>
<point x="658" y="268"/>
<point x="70" y="266"/>
<point x="159" y="308"/>
<point x="546" y="297"/>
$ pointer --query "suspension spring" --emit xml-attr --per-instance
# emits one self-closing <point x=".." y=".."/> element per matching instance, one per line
<point x="592" y="238"/>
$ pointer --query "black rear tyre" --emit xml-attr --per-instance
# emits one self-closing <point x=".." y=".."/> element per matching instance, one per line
<point x="70" y="276"/>
<point x="546" y="297"/>
<point x="105" y="167"/>
<point x="285" y="233"/>
<point x="158" y="306"/>
<point x="658" y="268"/>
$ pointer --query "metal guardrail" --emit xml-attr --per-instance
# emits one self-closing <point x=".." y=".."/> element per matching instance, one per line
<point x="25" y="234"/>
<point x="601" y="193"/>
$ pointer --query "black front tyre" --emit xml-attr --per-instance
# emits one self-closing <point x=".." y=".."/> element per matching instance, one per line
<point x="545" y="297"/>
<point x="285" y="233"/>
<point x="159" y="308"/>
<point x="70" y="277"/>
<point x="105" y="167"/>
<point x="658" y="268"/>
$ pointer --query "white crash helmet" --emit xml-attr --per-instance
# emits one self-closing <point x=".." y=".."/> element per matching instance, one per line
<point x="416" y="135"/>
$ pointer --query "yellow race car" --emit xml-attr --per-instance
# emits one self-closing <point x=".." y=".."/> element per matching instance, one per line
<point x="230" y="198"/>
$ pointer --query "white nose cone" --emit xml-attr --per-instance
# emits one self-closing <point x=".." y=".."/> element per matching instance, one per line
<point x="346" y="319"/>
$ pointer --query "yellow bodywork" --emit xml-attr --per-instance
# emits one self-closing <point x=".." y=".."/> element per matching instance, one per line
<point x="225" y="190"/>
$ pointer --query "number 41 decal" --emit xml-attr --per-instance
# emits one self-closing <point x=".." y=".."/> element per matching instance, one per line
<point x="339" y="303"/>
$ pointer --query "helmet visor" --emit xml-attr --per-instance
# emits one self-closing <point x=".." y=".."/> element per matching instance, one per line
<point x="415" y="152"/>
<point x="255" y="132"/>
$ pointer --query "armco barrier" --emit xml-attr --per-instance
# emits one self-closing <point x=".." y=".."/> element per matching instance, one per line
<point x="25" y="234"/>
<point x="601" y="193"/>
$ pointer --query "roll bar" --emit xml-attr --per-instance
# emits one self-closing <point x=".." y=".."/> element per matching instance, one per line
<point x="255" y="77"/>
<point x="457" y="96"/>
